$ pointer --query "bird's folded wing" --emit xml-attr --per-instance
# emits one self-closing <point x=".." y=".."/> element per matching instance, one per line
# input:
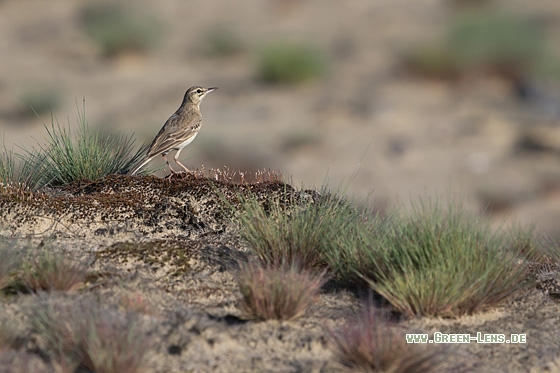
<point x="171" y="135"/>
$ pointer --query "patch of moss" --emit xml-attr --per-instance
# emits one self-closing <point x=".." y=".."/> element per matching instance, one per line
<point x="154" y="253"/>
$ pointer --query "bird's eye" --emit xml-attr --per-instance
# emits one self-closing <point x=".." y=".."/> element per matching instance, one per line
<point x="199" y="91"/>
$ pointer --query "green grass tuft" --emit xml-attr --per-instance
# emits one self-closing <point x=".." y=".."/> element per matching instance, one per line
<point x="17" y="171"/>
<point x="435" y="260"/>
<point x="534" y="247"/>
<point x="287" y="63"/>
<point x="7" y="165"/>
<point x="83" y="155"/>
<point x="306" y="233"/>
<point x="31" y="173"/>
<point x="21" y="172"/>
<point x="440" y="261"/>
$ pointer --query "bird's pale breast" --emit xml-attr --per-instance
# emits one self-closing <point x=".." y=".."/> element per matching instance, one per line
<point x="186" y="142"/>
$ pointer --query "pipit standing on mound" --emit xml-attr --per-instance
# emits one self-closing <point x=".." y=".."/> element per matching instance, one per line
<point x="180" y="129"/>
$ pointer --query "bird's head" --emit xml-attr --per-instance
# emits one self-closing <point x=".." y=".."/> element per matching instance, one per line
<point x="196" y="94"/>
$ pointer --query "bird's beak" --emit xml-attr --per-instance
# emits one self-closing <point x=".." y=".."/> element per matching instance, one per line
<point x="212" y="89"/>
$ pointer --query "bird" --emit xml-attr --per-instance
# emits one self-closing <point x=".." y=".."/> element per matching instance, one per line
<point x="179" y="130"/>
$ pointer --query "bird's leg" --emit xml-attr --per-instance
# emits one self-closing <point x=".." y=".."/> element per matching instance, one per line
<point x="176" y="158"/>
<point x="164" y="155"/>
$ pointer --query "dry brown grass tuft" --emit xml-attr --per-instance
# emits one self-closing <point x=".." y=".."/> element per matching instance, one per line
<point x="84" y="333"/>
<point x="52" y="271"/>
<point x="240" y="177"/>
<point x="369" y="343"/>
<point x="280" y="292"/>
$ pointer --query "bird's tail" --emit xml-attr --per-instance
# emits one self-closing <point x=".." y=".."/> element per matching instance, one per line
<point x="137" y="168"/>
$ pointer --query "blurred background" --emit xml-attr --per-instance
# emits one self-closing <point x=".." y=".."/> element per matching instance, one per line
<point x="392" y="99"/>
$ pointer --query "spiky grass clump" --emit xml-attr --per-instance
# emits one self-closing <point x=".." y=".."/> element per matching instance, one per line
<point x="306" y="233"/>
<point x="368" y="342"/>
<point x="100" y="339"/>
<point x="435" y="260"/>
<point x="439" y="261"/>
<point x="24" y="173"/>
<point x="82" y="155"/>
<point x="532" y="246"/>
<point x="67" y="157"/>
<point x="50" y="271"/>
<point x="7" y="166"/>
<point x="31" y="175"/>
<point x="281" y="292"/>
